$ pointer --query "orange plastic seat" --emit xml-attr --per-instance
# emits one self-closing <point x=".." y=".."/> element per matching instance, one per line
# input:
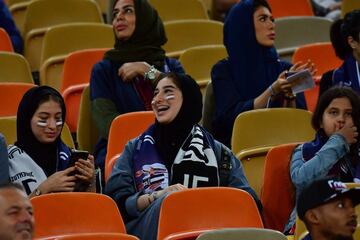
<point x="110" y="165"/>
<point x="188" y="213"/>
<point x="278" y="193"/>
<point x="72" y="97"/>
<point x="317" y="53"/>
<point x="60" y="214"/>
<point x="311" y="97"/>
<point x="124" y="128"/>
<point x="78" y="66"/>
<point x="5" y="41"/>
<point x="76" y="75"/>
<point x="281" y="8"/>
<point x="321" y="54"/>
<point x="10" y="97"/>
<point x="100" y="236"/>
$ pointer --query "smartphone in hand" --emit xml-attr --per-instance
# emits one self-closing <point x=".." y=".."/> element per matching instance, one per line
<point x="76" y="155"/>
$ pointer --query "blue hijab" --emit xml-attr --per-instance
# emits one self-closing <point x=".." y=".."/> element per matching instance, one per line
<point x="253" y="67"/>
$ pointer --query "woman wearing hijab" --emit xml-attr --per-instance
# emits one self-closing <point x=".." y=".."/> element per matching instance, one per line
<point x="121" y="82"/>
<point x="252" y="76"/>
<point x="39" y="160"/>
<point x="167" y="154"/>
<point x="345" y="38"/>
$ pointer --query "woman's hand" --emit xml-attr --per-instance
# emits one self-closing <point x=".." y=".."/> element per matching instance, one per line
<point x="85" y="169"/>
<point x="309" y="65"/>
<point x="59" y="182"/>
<point x="128" y="71"/>
<point x="348" y="131"/>
<point x="281" y="85"/>
<point x="172" y="188"/>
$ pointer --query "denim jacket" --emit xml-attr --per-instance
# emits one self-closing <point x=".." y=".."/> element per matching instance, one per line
<point x="304" y="172"/>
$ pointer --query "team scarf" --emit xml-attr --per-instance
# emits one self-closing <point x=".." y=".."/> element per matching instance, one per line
<point x="195" y="164"/>
<point x="348" y="74"/>
<point x="342" y="168"/>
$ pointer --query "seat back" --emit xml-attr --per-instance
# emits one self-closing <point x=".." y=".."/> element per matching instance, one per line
<point x="78" y="66"/>
<point x="209" y="108"/>
<point x="87" y="132"/>
<point x="311" y="97"/>
<point x="58" y="214"/>
<point x="292" y="32"/>
<point x="256" y="131"/>
<point x="42" y="14"/>
<point x="61" y="40"/>
<point x="12" y="2"/>
<point x="198" y="62"/>
<point x="14" y="68"/>
<point x="124" y="128"/>
<point x="348" y="6"/>
<point x="193" y="211"/>
<point x="72" y="97"/>
<point x="277" y="187"/>
<point x="76" y="75"/>
<point x="281" y="8"/>
<point x="270" y="127"/>
<point x="10" y="97"/>
<point x="5" y="41"/>
<point x="169" y="10"/>
<point x="317" y="52"/>
<point x="100" y="236"/>
<point x="8" y="129"/>
<point x="183" y="34"/>
<point x="242" y="234"/>
<point x="18" y="12"/>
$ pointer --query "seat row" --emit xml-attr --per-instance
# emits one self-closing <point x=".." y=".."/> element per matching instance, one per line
<point x="183" y="214"/>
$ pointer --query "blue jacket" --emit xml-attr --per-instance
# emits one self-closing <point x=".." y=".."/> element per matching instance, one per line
<point x="247" y="72"/>
<point x="121" y="187"/>
<point x="7" y="22"/>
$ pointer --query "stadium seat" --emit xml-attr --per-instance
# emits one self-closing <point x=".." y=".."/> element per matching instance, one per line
<point x="256" y="131"/>
<point x="124" y="128"/>
<point x="170" y="10"/>
<point x="183" y="34"/>
<point x="5" y="41"/>
<point x="61" y="40"/>
<point x="14" y="68"/>
<point x="292" y="32"/>
<point x="58" y="214"/>
<point x="41" y="14"/>
<point x="188" y="213"/>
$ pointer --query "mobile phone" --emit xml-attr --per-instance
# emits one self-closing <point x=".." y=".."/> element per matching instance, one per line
<point x="76" y="155"/>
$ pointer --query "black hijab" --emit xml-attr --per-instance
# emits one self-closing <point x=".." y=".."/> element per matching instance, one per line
<point x="146" y="41"/>
<point x="169" y="137"/>
<point x="45" y="155"/>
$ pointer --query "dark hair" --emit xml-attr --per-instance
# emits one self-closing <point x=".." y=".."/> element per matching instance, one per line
<point x="261" y="3"/>
<point x="327" y="97"/>
<point x="11" y="185"/>
<point x="343" y="28"/>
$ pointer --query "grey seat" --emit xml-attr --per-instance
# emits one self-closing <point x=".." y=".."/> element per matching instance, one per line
<point x="242" y="233"/>
<point x="292" y="32"/>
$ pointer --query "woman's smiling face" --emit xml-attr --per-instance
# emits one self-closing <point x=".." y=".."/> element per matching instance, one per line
<point x="167" y="100"/>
